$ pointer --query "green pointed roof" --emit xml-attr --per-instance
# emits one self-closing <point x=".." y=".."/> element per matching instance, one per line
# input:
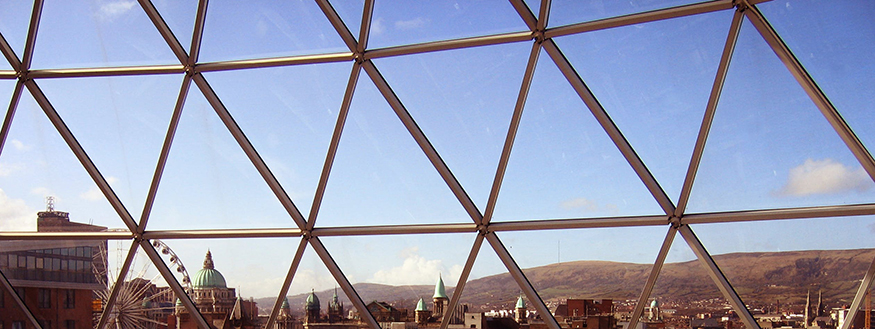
<point x="285" y="303"/>
<point x="208" y="277"/>
<point x="421" y="306"/>
<point x="439" y="291"/>
<point x="312" y="302"/>
<point x="520" y="303"/>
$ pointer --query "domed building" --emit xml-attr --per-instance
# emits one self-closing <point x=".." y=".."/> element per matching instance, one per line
<point x="220" y="305"/>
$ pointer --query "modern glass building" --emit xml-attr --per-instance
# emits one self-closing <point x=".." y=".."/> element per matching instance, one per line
<point x="699" y="150"/>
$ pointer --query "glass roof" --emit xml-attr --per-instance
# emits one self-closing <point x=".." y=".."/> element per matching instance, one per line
<point x="459" y="140"/>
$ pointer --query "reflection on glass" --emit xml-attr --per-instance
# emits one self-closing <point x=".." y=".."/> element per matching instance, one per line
<point x="769" y="146"/>
<point x="289" y="115"/>
<point x="208" y="181"/>
<point x="99" y="34"/>
<point x="380" y="175"/>
<point x="563" y="164"/>
<point x="463" y="100"/>
<point x="403" y="22"/>
<point x="654" y="80"/>
<point x="266" y="29"/>
<point x="566" y="12"/>
<point x="124" y="127"/>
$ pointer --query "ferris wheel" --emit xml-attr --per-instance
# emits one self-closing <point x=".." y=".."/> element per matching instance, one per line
<point x="144" y="301"/>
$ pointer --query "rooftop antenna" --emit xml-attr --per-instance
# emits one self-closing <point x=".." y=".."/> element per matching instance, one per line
<point x="50" y="203"/>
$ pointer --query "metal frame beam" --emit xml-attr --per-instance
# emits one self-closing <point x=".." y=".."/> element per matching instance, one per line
<point x="197" y="33"/>
<point x="426" y="47"/>
<point x="463" y="279"/>
<point x="164" y="29"/>
<point x="10" y="113"/>
<point x="173" y="283"/>
<point x="116" y="287"/>
<point x="106" y="71"/>
<point x="293" y="268"/>
<point x="9" y="53"/>
<point x="30" y="42"/>
<point x="341" y="279"/>
<point x="651" y="280"/>
<point x="522" y="281"/>
<point x="719" y="279"/>
<point x="779" y="214"/>
<point x="18" y="300"/>
<point x="710" y="110"/>
<point x="865" y="285"/>
<point x="273" y="62"/>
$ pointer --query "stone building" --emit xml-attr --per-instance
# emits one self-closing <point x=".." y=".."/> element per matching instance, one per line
<point x="220" y="305"/>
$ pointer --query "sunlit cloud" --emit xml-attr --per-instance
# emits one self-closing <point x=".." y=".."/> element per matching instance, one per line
<point x="18" y="145"/>
<point x="7" y="169"/>
<point x="587" y="205"/>
<point x="114" y="9"/>
<point x="306" y="279"/>
<point x="42" y="191"/>
<point x="15" y="215"/>
<point x="416" y="270"/>
<point x="94" y="193"/>
<point x="377" y="26"/>
<point x="411" y="24"/>
<point x="825" y="176"/>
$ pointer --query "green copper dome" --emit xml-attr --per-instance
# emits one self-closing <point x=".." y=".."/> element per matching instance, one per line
<point x="312" y="302"/>
<point x="285" y="303"/>
<point x="520" y="303"/>
<point x="208" y="277"/>
<point x="439" y="291"/>
<point x="421" y="306"/>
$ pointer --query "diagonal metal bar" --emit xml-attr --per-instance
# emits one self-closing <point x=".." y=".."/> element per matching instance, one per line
<point x="106" y="71"/>
<point x="344" y="283"/>
<point x="423" y="142"/>
<point x="511" y="132"/>
<point x="525" y="13"/>
<point x="644" y="17"/>
<point x="273" y="62"/>
<point x="865" y="285"/>
<point x="198" y="32"/>
<point x="30" y="42"/>
<point x="522" y="281"/>
<point x="608" y="125"/>
<point x="338" y="24"/>
<point x="19" y="300"/>
<point x="812" y="89"/>
<point x="365" y="31"/>
<point x="299" y="253"/>
<point x="117" y="286"/>
<point x="9" y="53"/>
<point x="173" y="283"/>
<point x="710" y="110"/>
<point x="719" y="279"/>
<point x="463" y="279"/>
<point x="543" y="15"/>
<point x="419" y="48"/>
<point x="165" y="31"/>
<point x="10" y="113"/>
<point x="165" y="153"/>
<point x="778" y="214"/>
<point x="80" y="154"/>
<point x="332" y="146"/>
<point x="250" y="151"/>
<point x="651" y="280"/>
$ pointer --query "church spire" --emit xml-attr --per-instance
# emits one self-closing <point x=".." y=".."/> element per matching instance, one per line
<point x="439" y="290"/>
<point x="208" y="261"/>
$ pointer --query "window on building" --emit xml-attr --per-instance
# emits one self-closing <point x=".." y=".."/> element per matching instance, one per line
<point x="2" y="302"/>
<point x="68" y="324"/>
<point x="70" y="298"/>
<point x="17" y="324"/>
<point x="44" y="298"/>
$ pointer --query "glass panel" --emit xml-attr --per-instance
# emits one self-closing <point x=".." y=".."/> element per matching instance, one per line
<point x="180" y="17"/>
<point x="313" y="277"/>
<point x="566" y="12"/>
<point x="100" y="34"/>
<point x="208" y="181"/>
<point x="684" y="293"/>
<point x="654" y="80"/>
<point x="599" y="267"/>
<point x="833" y="43"/>
<point x="391" y="273"/>
<point x="463" y="100"/>
<point x="225" y="272"/>
<point x="351" y="14"/>
<point x="54" y="287"/>
<point x="489" y="289"/>
<point x="121" y="124"/>
<point x="563" y="164"/>
<point x="404" y="22"/>
<point x="289" y="114"/>
<point x="769" y="264"/>
<point x="380" y="175"/>
<point x="237" y="30"/>
<point x="36" y="163"/>
<point x="769" y="146"/>
<point x="14" y="22"/>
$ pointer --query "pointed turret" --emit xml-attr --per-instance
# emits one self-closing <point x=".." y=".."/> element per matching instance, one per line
<point x="440" y="298"/>
<point x="421" y="306"/>
<point x="439" y="290"/>
<point x="421" y="314"/>
<point x="521" y="311"/>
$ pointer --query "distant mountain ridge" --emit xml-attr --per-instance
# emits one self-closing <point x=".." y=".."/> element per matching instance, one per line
<point x="759" y="277"/>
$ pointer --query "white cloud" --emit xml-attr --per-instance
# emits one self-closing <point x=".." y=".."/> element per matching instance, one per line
<point x="377" y="26"/>
<point x="7" y="169"/>
<point x="94" y="194"/>
<point x="18" y="145"/>
<point x="15" y="215"/>
<point x="411" y="24"/>
<point x="417" y="270"/>
<point x="114" y="9"/>
<point x="824" y="177"/>
<point x="43" y="191"/>
<point x="306" y="279"/>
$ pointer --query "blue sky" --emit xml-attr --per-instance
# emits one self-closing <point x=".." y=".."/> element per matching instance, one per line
<point x="769" y="146"/>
